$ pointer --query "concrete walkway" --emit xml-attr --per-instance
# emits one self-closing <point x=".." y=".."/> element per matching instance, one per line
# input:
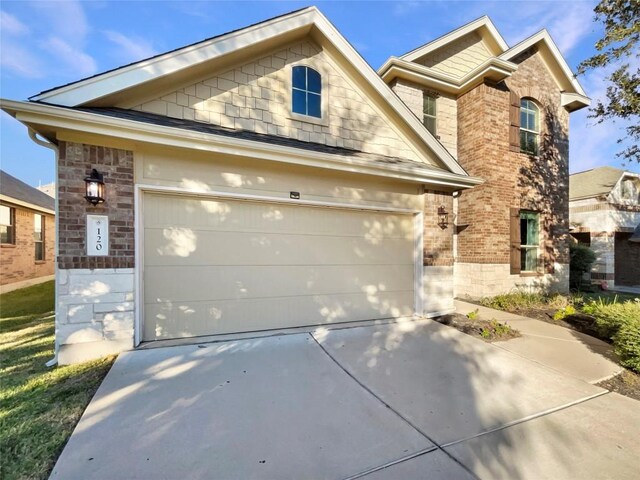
<point x="566" y="351"/>
<point x="413" y="399"/>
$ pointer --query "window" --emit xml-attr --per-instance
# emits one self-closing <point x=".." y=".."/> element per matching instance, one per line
<point x="38" y="236"/>
<point x="529" y="126"/>
<point x="306" y="92"/>
<point x="429" y="112"/>
<point x="529" y="241"/>
<point x="630" y="190"/>
<point x="7" y="225"/>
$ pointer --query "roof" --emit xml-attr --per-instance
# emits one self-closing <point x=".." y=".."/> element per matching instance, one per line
<point x="209" y="128"/>
<point x="12" y="188"/>
<point x="593" y="183"/>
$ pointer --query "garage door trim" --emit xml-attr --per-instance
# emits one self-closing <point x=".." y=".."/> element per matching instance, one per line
<point x="141" y="189"/>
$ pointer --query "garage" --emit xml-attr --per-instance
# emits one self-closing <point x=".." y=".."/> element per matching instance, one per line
<point x="215" y="265"/>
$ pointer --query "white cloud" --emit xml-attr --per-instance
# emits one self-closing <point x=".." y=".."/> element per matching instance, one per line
<point x="403" y="8"/>
<point x="131" y="49"/>
<point x="10" y="25"/>
<point x="73" y="57"/>
<point x="66" y="20"/>
<point x="19" y="60"/>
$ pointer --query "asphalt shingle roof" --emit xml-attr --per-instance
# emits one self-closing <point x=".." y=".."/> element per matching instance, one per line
<point x="12" y="187"/>
<point x="593" y="183"/>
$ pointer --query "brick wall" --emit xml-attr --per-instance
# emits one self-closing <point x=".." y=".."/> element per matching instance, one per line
<point x="75" y="163"/>
<point x="513" y="179"/>
<point x="255" y="96"/>
<point x="17" y="262"/>
<point x="438" y="242"/>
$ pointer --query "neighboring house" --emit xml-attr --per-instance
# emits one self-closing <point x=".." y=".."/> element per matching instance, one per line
<point x="49" y="189"/>
<point x="604" y="212"/>
<point x="27" y="234"/>
<point x="269" y="178"/>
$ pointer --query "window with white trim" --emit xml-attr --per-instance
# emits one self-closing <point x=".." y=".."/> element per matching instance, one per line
<point x="306" y="91"/>
<point x="38" y="236"/>
<point x="429" y="112"/>
<point x="529" y="241"/>
<point x="7" y="225"/>
<point x="529" y="127"/>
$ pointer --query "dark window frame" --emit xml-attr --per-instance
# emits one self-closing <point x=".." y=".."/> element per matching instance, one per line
<point x="38" y="241"/>
<point x="309" y="92"/>
<point x="10" y="229"/>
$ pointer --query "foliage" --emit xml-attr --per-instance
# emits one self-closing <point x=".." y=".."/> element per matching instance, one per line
<point x="620" y="323"/>
<point x="564" y="312"/>
<point x="473" y="315"/>
<point x="523" y="300"/>
<point x="39" y="406"/>
<point x="496" y="329"/>
<point x="621" y="19"/>
<point x="581" y="259"/>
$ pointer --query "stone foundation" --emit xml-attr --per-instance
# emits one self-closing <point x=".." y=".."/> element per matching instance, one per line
<point x="94" y="313"/>
<point x="438" y="290"/>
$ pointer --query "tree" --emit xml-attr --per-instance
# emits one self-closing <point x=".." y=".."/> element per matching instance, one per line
<point x="619" y="47"/>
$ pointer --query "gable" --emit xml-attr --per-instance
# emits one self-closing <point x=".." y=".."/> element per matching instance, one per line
<point x="255" y="96"/>
<point x="459" y="57"/>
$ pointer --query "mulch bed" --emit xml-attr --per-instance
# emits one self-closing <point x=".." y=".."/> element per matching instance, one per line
<point x="489" y="331"/>
<point x="626" y="383"/>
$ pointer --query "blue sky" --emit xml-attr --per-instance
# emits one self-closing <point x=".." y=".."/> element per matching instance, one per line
<point x="45" y="44"/>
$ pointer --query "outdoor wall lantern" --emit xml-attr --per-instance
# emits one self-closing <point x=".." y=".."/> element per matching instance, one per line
<point x="443" y="217"/>
<point x="95" y="187"/>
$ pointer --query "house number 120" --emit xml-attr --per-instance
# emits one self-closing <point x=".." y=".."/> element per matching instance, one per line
<point x="97" y="235"/>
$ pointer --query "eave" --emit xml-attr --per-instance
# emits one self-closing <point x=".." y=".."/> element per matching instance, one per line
<point x="494" y="70"/>
<point x="22" y="203"/>
<point x="46" y="119"/>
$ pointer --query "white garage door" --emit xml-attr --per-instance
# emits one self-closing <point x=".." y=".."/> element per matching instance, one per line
<point x="216" y="266"/>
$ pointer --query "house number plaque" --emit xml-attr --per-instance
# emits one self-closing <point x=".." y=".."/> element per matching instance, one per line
<point x="97" y="235"/>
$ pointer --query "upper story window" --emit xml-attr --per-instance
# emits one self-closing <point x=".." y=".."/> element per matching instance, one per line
<point x="306" y="94"/>
<point x="630" y="190"/>
<point x="429" y="112"/>
<point x="529" y="127"/>
<point x="7" y="225"/>
<point x="38" y="236"/>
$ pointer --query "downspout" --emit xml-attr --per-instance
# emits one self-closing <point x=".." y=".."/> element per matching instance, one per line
<point x="46" y="144"/>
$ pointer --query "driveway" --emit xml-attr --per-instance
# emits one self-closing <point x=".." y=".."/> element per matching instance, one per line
<point x="413" y="399"/>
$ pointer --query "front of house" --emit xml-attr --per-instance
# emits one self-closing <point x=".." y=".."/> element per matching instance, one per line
<point x="268" y="178"/>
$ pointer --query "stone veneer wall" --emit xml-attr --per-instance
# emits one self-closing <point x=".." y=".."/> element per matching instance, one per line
<point x="446" y="111"/>
<point x="94" y="310"/>
<point x="512" y="180"/>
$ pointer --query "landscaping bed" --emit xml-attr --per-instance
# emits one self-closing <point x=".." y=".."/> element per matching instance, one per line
<point x="626" y="383"/>
<point x="487" y="330"/>
<point x="39" y="406"/>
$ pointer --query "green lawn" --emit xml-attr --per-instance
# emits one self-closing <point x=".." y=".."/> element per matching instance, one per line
<point x="39" y="406"/>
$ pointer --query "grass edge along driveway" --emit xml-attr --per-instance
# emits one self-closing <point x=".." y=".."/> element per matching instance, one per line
<point x="39" y="406"/>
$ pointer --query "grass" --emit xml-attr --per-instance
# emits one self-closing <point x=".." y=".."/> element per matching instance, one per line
<point x="39" y="406"/>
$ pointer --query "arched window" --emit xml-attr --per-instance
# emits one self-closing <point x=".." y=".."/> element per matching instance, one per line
<point x="306" y="93"/>
<point x="529" y="127"/>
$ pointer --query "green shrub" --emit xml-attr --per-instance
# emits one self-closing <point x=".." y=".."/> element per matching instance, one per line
<point x="581" y="259"/>
<point x="473" y="315"/>
<point x="564" y="312"/>
<point x="523" y="300"/>
<point x="620" y="323"/>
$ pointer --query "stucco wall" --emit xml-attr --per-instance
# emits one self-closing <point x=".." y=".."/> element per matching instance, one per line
<point x="255" y="96"/>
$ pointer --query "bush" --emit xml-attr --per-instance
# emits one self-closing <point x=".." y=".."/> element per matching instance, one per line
<point x="620" y="323"/>
<point x="581" y="259"/>
<point x="564" y="312"/>
<point x="523" y="300"/>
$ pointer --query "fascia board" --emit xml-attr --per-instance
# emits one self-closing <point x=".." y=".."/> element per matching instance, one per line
<point x="65" y="119"/>
<point x="456" y="34"/>
<point x="22" y="203"/>
<point x="543" y="36"/>
<point x="117" y="80"/>
<point x="574" y="100"/>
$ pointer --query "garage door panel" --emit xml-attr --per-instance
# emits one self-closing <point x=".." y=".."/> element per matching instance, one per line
<point x="232" y="282"/>
<point x="179" y="246"/>
<point x="186" y="319"/>
<point x="222" y="266"/>
<point x="238" y="216"/>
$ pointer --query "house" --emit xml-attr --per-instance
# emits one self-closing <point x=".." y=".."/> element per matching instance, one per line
<point x="604" y="210"/>
<point x="27" y="234"/>
<point x="49" y="189"/>
<point x="269" y="178"/>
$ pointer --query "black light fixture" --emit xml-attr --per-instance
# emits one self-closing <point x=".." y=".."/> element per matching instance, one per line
<point x="443" y="217"/>
<point x="95" y="187"/>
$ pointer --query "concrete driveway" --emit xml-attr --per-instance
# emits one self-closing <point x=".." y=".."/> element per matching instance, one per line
<point x="395" y="401"/>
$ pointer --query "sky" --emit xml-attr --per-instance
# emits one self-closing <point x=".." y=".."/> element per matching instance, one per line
<point x="44" y="44"/>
